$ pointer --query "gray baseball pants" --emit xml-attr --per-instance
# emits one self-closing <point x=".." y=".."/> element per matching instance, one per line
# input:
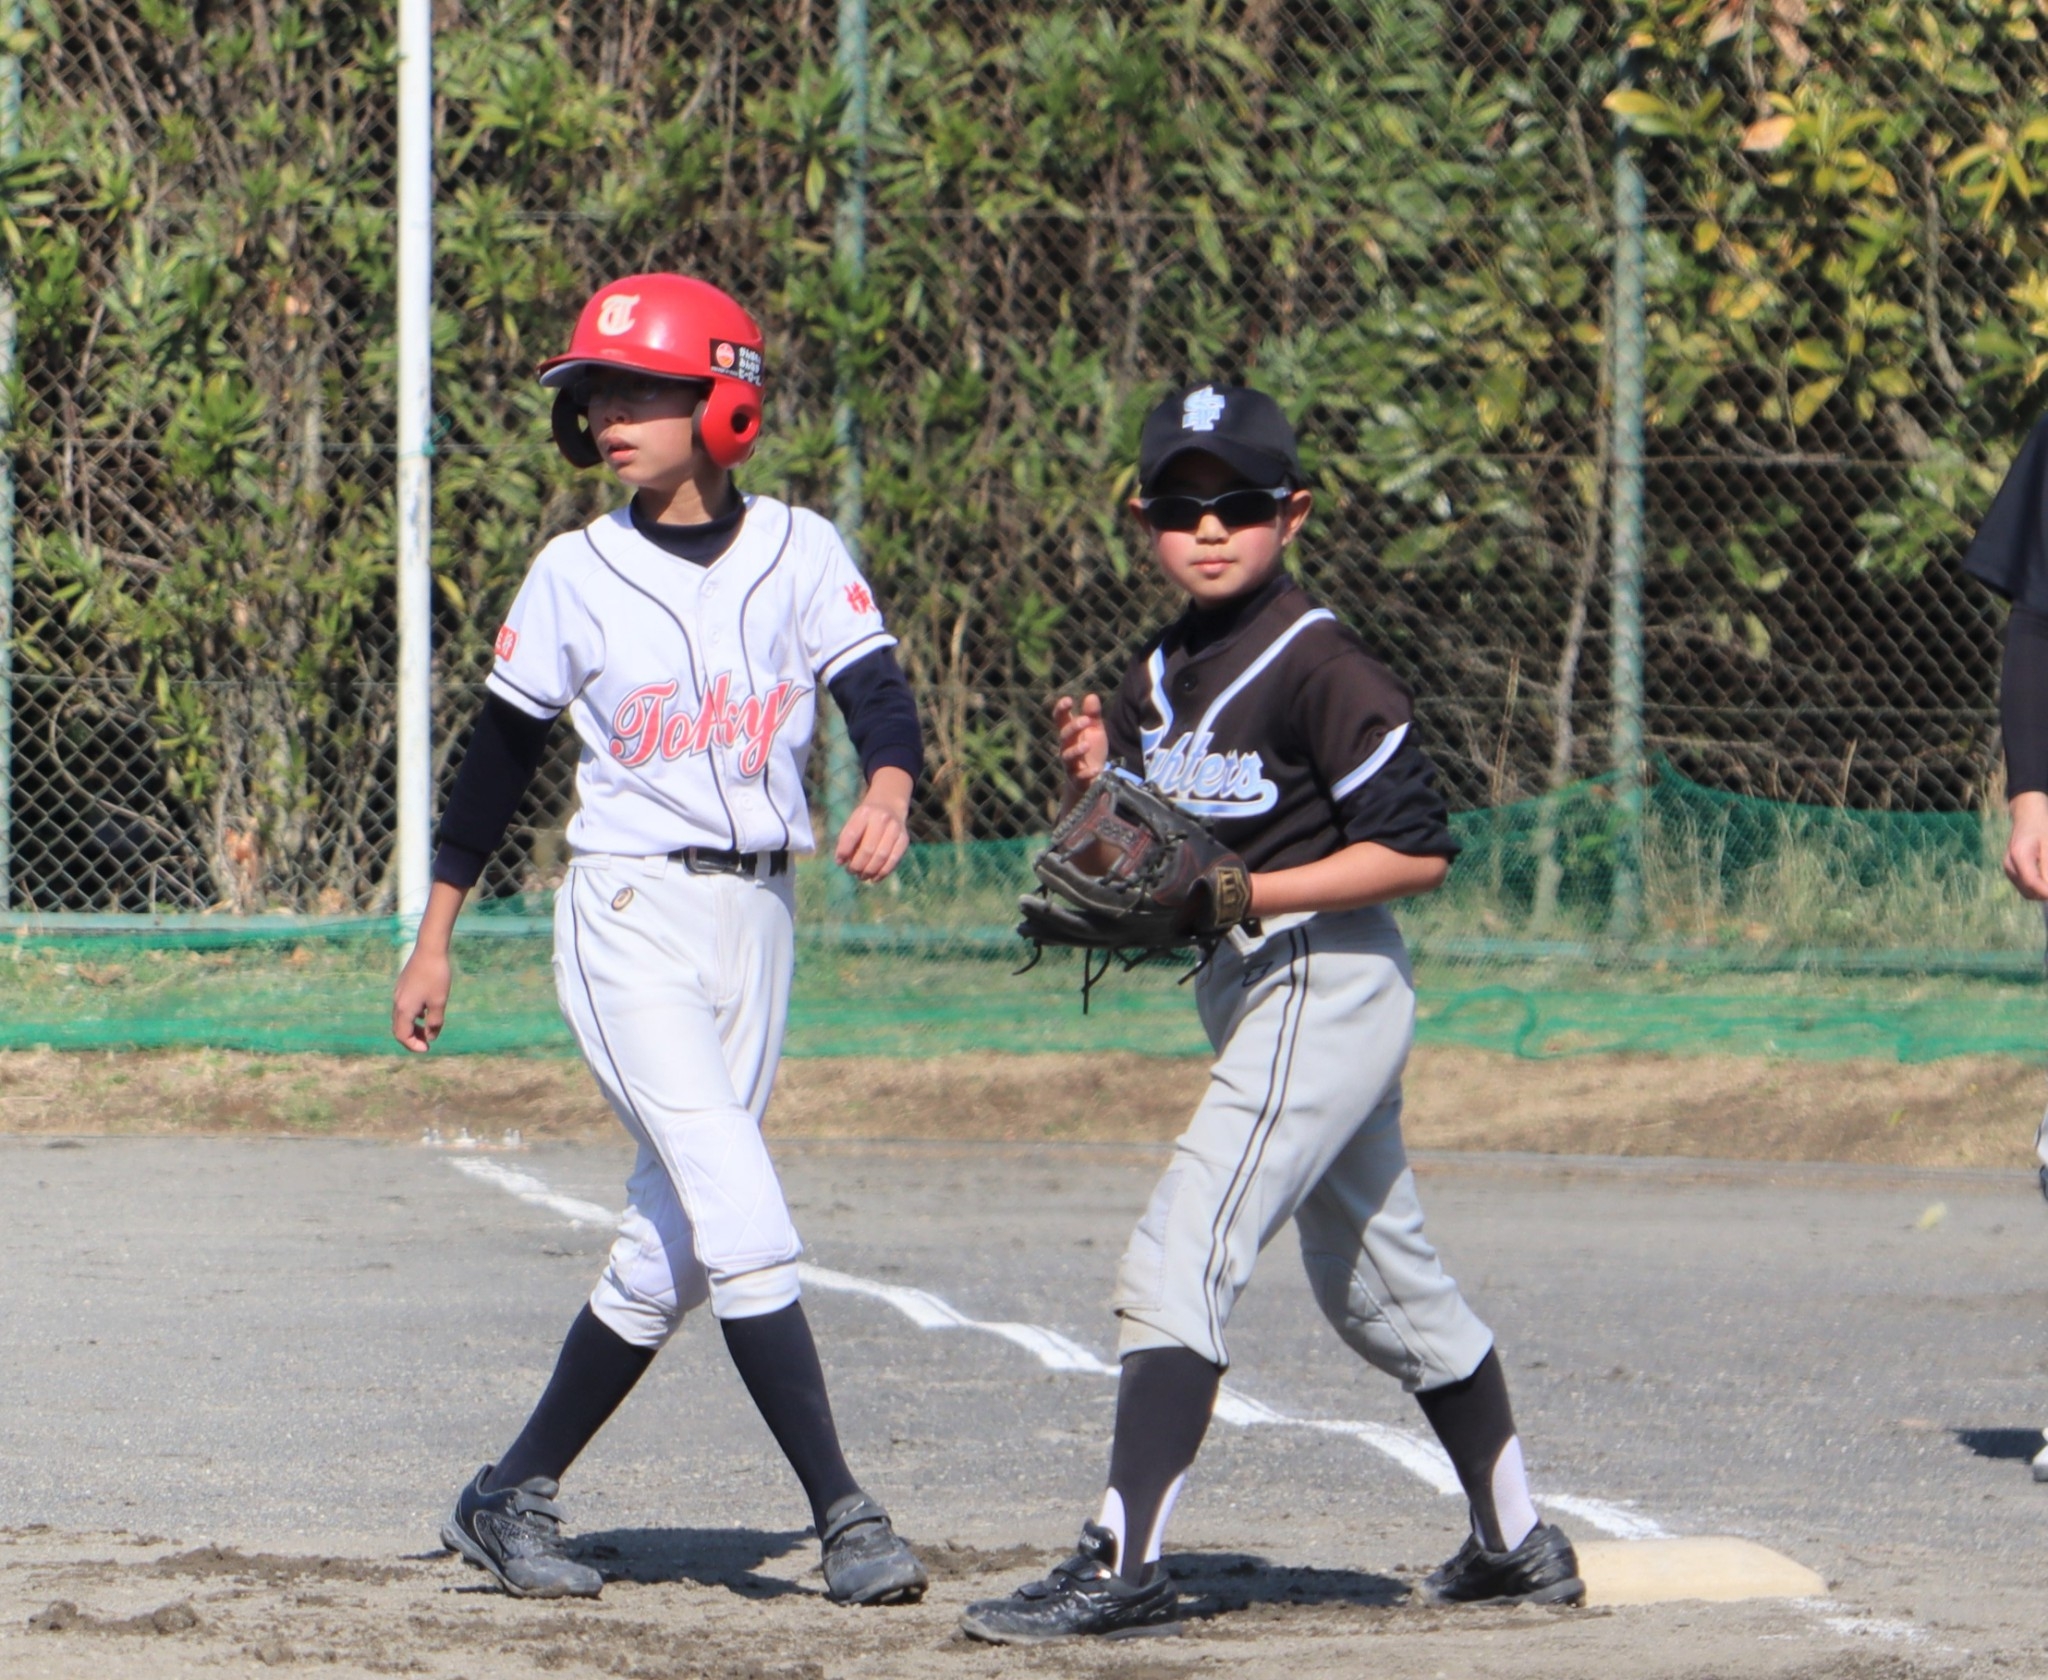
<point x="1302" y="1120"/>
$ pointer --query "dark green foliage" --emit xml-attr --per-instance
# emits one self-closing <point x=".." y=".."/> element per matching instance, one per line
<point x="1393" y="213"/>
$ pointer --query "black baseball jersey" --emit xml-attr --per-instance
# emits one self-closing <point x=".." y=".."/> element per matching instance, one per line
<point x="2010" y="554"/>
<point x="1267" y="718"/>
<point x="2010" y="551"/>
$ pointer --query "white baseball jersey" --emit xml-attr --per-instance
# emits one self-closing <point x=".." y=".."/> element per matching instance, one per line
<point x="693" y="689"/>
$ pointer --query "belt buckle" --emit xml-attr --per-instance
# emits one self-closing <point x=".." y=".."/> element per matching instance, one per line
<point x="703" y="860"/>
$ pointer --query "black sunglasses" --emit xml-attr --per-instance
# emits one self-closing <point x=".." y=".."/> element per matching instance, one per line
<point x="1236" y="508"/>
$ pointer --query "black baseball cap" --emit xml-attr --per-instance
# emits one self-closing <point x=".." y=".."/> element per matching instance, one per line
<point x="1241" y="427"/>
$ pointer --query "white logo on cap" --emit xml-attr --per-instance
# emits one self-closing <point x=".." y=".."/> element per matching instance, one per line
<point x="617" y="314"/>
<point x="1201" y="411"/>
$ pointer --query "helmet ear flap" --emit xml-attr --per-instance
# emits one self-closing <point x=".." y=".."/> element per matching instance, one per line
<point x="729" y="423"/>
<point x="572" y="434"/>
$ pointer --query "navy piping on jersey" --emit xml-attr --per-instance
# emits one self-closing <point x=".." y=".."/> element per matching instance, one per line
<point x="500" y="677"/>
<point x="746" y="601"/>
<point x="840" y="658"/>
<point x="696" y="676"/>
<point x="1279" y="1075"/>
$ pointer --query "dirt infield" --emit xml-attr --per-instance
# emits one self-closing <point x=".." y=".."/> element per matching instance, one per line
<point x="1976" y="1111"/>
<point x="710" y="1607"/>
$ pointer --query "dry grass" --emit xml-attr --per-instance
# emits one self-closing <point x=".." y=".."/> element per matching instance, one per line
<point x="1970" y="1111"/>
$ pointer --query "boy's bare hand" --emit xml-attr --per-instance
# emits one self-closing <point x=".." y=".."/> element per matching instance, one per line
<point x="2026" y="856"/>
<point x="873" y="841"/>
<point x="1084" y="743"/>
<point x="419" y="1004"/>
<point x="877" y="830"/>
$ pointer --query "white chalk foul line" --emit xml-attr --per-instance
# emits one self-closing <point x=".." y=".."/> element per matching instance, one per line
<point x="1422" y="1459"/>
<point x="1883" y="1629"/>
<point x="1052" y="1350"/>
<point x="533" y="1192"/>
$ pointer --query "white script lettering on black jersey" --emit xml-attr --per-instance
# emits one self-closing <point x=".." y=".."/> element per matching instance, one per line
<point x="1206" y="782"/>
<point x="1190" y="771"/>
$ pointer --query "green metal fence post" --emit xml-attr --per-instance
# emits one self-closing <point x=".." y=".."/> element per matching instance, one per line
<point x="10" y="148"/>
<point x="850" y="261"/>
<point x="1626" y="529"/>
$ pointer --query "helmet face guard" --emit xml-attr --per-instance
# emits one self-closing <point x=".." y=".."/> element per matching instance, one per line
<point x="673" y="327"/>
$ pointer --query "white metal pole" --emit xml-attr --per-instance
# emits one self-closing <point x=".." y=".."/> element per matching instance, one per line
<point x="850" y="251"/>
<point x="415" y="450"/>
<point x="1625" y="530"/>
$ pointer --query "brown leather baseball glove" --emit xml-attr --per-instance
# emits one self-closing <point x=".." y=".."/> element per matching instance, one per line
<point x="1129" y="870"/>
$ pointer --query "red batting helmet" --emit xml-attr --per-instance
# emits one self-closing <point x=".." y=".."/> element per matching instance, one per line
<point x="678" y="328"/>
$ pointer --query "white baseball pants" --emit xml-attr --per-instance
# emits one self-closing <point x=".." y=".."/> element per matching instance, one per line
<point x="677" y="986"/>
<point x="1302" y="1121"/>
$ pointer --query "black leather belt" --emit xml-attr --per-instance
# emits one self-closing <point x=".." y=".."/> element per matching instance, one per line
<point x="704" y="860"/>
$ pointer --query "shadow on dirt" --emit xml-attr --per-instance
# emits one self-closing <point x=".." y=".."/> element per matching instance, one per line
<point x="712" y="1557"/>
<point x="2001" y="1443"/>
<point x="1217" y="1583"/>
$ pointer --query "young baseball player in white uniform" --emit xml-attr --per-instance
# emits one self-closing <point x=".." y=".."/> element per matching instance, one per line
<point x="1259" y="712"/>
<point x="686" y="635"/>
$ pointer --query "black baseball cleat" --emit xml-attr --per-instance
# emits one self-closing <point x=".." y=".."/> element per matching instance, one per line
<point x="1543" y="1569"/>
<point x="866" y="1561"/>
<point x="1082" y="1596"/>
<point x="515" y="1533"/>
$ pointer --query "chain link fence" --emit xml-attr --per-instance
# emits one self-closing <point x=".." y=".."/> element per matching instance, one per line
<point x="1397" y="215"/>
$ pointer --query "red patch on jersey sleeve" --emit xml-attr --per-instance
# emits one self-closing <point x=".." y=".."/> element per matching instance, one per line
<point x="508" y="639"/>
<point x="858" y="598"/>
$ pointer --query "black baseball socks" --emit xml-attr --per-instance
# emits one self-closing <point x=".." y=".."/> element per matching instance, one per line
<point x="778" y="1362"/>
<point x="596" y="1370"/>
<point x="1163" y="1401"/>
<point x="1473" y="1420"/>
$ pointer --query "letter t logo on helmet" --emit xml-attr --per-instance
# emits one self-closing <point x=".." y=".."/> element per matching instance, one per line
<point x="677" y="328"/>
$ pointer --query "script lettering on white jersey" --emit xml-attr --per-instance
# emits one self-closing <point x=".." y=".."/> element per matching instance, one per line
<point x="1206" y="782"/>
<point x="645" y="725"/>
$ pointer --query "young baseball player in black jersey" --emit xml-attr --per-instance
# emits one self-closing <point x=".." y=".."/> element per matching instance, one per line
<point x="1260" y="712"/>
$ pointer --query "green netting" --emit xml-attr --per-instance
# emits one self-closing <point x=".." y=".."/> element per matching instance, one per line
<point x="1767" y="929"/>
